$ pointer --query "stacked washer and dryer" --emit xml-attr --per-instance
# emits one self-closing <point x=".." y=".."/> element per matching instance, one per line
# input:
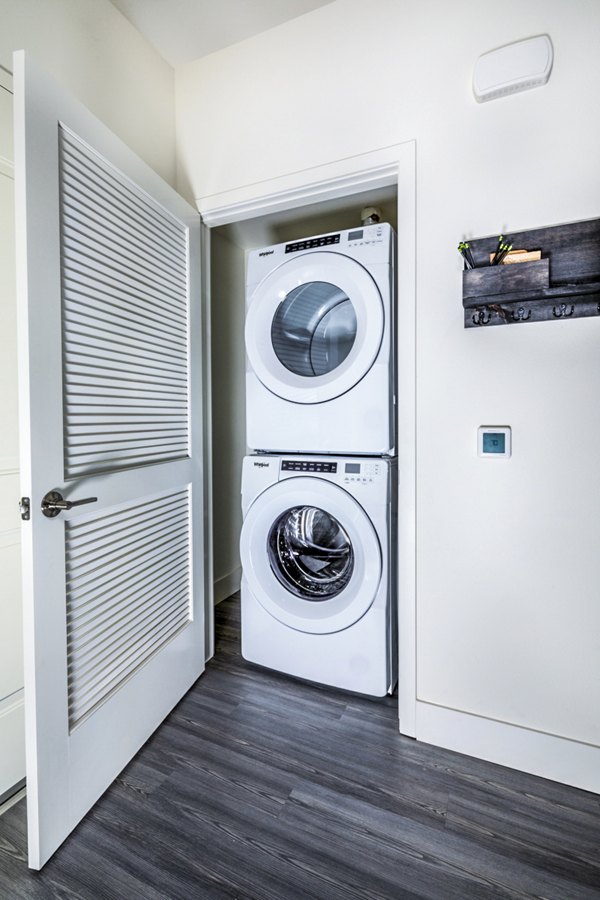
<point x="319" y="492"/>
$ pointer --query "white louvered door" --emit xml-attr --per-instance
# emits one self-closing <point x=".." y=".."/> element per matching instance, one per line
<point x="111" y="413"/>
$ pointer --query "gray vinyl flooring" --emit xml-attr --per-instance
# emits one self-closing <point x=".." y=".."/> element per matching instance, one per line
<point x="257" y="786"/>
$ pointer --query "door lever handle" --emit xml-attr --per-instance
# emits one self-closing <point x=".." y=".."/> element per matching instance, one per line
<point x="54" y="503"/>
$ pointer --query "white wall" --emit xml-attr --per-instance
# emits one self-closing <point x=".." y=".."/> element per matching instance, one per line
<point x="508" y="575"/>
<point x="94" y="51"/>
<point x="12" y="733"/>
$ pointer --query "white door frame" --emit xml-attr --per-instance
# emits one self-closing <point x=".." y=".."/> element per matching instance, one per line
<point x="395" y="165"/>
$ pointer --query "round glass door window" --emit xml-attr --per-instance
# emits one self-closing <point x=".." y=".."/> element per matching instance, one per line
<point x="314" y="329"/>
<point x="310" y="553"/>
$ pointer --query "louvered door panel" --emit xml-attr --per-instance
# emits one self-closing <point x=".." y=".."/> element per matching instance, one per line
<point x="128" y="592"/>
<point x="111" y="370"/>
<point x="125" y="320"/>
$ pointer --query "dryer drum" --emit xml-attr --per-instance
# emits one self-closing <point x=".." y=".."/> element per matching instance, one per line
<point x="314" y="329"/>
<point x="310" y="553"/>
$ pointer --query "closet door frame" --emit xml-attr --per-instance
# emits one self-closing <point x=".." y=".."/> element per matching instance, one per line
<point x="390" y="166"/>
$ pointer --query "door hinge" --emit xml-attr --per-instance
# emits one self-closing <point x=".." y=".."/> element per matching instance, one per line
<point x="25" y="508"/>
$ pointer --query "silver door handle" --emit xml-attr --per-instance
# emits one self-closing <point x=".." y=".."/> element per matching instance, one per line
<point x="54" y="503"/>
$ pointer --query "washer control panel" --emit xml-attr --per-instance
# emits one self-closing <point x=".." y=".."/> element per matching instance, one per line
<point x="361" y="472"/>
<point x="349" y="472"/>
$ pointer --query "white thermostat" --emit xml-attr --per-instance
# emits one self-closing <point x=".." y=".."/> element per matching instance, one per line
<point x="494" y="441"/>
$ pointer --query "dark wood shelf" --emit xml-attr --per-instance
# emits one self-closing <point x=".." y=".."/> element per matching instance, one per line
<point x="564" y="283"/>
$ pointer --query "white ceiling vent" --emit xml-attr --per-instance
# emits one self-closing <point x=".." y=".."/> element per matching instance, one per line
<point x="515" y="67"/>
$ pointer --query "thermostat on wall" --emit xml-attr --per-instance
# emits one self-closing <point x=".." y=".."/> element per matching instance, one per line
<point x="494" y="441"/>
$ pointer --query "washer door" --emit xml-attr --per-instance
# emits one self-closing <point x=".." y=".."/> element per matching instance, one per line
<point x="314" y="327"/>
<point x="311" y="555"/>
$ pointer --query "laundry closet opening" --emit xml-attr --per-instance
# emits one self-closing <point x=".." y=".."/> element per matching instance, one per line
<point x="230" y="245"/>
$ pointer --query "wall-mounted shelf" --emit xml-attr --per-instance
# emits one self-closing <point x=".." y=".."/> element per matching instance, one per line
<point x="564" y="283"/>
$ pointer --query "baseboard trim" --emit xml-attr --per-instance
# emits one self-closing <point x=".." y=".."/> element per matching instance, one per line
<point x="227" y="585"/>
<point x="556" y="758"/>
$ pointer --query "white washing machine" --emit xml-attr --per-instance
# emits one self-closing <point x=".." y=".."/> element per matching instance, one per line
<point x="318" y="585"/>
<point x="320" y="344"/>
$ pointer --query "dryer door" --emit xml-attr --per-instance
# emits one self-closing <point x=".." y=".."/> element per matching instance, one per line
<point x="311" y="555"/>
<point x="314" y="327"/>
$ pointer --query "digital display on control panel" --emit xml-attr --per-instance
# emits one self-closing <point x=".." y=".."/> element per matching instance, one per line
<point x="352" y="468"/>
<point x="303" y="465"/>
<point x="313" y="242"/>
<point x="355" y="235"/>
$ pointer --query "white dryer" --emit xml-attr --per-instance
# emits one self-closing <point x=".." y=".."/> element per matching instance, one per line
<point x="320" y="344"/>
<point x="318" y="586"/>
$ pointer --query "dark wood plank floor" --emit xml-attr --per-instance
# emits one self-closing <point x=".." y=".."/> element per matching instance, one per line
<point x="257" y="786"/>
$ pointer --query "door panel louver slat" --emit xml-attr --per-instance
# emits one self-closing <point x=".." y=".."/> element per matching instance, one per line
<point x="96" y="609"/>
<point x="113" y="679"/>
<point x="122" y="255"/>
<point x="92" y="170"/>
<point x="119" y="267"/>
<point x="126" y="391"/>
<point x="90" y="530"/>
<point x="77" y="275"/>
<point x="109" y="652"/>
<point x="119" y="328"/>
<point x="103" y="229"/>
<point x="102" y="632"/>
<point x="141" y="440"/>
<point x="97" y="549"/>
<point x="100" y="587"/>
<point x="107" y="275"/>
<point x="79" y="288"/>
<point x="97" y="171"/>
<point x="111" y="313"/>
<point x="83" y="210"/>
<point x="80" y="320"/>
<point x="143" y="556"/>
<point x="82" y="192"/>
<point x="125" y="320"/>
<point x="133" y="356"/>
<point x="128" y="592"/>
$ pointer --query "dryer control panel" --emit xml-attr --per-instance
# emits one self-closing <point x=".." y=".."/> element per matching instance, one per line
<point x="307" y="465"/>
<point x="369" y="245"/>
<point x="370" y="234"/>
<point x="311" y="243"/>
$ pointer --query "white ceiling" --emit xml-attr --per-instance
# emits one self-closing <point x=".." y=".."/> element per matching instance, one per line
<point x="183" y="30"/>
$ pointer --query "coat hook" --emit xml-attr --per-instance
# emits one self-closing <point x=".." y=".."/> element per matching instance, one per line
<point x="480" y="317"/>
<point x="520" y="315"/>
<point x="562" y="311"/>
